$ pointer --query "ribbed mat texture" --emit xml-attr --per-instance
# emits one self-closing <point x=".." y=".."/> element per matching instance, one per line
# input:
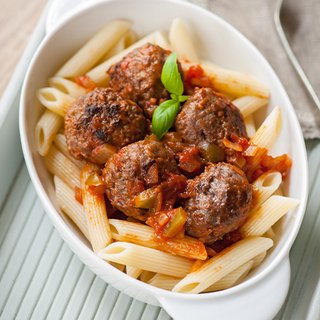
<point x="42" y="279"/>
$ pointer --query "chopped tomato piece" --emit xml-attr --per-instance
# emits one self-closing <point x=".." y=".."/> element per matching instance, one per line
<point x="232" y="145"/>
<point x="195" y="76"/>
<point x="254" y="160"/>
<point x="95" y="183"/>
<point x="78" y="194"/>
<point x="85" y="82"/>
<point x="190" y="160"/>
<point x="197" y="265"/>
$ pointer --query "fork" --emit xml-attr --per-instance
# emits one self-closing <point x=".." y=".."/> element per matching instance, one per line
<point x="292" y="57"/>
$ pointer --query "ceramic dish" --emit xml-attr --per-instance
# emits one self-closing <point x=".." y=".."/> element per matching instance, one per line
<point x="261" y="295"/>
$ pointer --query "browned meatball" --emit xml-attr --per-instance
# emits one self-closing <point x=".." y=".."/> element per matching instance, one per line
<point x="135" y="168"/>
<point x="138" y="77"/>
<point x="208" y="117"/>
<point x="220" y="201"/>
<point x="102" y="117"/>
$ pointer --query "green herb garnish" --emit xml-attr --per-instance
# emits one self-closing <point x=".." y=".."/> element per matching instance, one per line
<point x="164" y="115"/>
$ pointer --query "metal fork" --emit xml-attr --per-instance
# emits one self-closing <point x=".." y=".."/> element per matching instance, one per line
<point x="293" y="59"/>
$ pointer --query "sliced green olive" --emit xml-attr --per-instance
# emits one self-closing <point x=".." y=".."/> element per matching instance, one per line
<point x="177" y="222"/>
<point x="211" y="152"/>
<point x="147" y="199"/>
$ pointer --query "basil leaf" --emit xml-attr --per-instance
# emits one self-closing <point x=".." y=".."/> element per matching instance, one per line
<point x="183" y="98"/>
<point x="171" y="77"/>
<point x="163" y="117"/>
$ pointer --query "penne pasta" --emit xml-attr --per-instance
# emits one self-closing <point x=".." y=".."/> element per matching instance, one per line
<point x="146" y="275"/>
<point x="181" y="42"/>
<point x="232" y="82"/>
<point x="125" y="41"/>
<point x="265" y="186"/>
<point x="67" y="86"/>
<point x="270" y="234"/>
<point x="99" y="74"/>
<point x="83" y="60"/>
<point x="146" y="258"/>
<point x="267" y="214"/>
<point x="256" y="261"/>
<point x="61" y="144"/>
<point x="222" y="264"/>
<point x="118" y="266"/>
<point x="160" y="39"/>
<point x="133" y="272"/>
<point x="144" y="235"/>
<point x="95" y="208"/>
<point x="55" y="100"/>
<point x="178" y="263"/>
<point x="279" y="192"/>
<point x="70" y="206"/>
<point x="250" y="125"/>
<point x="59" y="165"/>
<point x="163" y="281"/>
<point x="268" y="131"/>
<point x="232" y="278"/>
<point x="249" y="104"/>
<point x="46" y="129"/>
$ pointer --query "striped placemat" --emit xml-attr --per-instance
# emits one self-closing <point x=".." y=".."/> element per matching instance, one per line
<point x="42" y="279"/>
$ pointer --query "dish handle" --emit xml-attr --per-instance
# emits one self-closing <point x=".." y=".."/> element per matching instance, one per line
<point x="262" y="300"/>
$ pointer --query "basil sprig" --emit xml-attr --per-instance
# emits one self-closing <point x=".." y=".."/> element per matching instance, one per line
<point x="164" y="115"/>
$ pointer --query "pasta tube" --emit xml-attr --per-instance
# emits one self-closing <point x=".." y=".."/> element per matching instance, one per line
<point x="46" y="129"/>
<point x="268" y="131"/>
<point x="146" y="258"/>
<point x="146" y="275"/>
<point x="70" y="206"/>
<point x="249" y="104"/>
<point x="232" y="278"/>
<point x="95" y="208"/>
<point x="125" y="41"/>
<point x="98" y="74"/>
<point x="182" y="44"/>
<point x="250" y="125"/>
<point x="83" y="60"/>
<point x="118" y="266"/>
<point x="59" y="165"/>
<point x="256" y="261"/>
<point x="55" y="100"/>
<point x="61" y="143"/>
<point x="133" y="271"/>
<point x="266" y="215"/>
<point x="223" y="263"/>
<point x="144" y="235"/>
<point x="67" y="86"/>
<point x="163" y="281"/>
<point x="232" y="82"/>
<point x="265" y="186"/>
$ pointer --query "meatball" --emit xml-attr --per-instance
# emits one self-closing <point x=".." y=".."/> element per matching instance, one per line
<point x="220" y="201"/>
<point x="208" y="117"/>
<point x="135" y="168"/>
<point x="138" y="77"/>
<point x="102" y="117"/>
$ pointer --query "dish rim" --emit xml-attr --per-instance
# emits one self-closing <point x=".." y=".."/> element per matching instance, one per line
<point x="72" y="239"/>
